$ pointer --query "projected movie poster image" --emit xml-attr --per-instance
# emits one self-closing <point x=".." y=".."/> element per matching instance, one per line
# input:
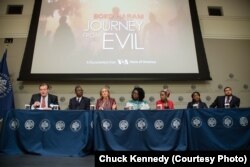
<point x="125" y="36"/>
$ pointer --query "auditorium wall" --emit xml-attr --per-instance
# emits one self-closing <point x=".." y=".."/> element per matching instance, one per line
<point x="227" y="46"/>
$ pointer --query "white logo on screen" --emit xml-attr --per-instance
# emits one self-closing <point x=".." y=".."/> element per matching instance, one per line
<point x="141" y="124"/>
<point x="44" y="125"/>
<point x="123" y="125"/>
<point x="121" y="61"/>
<point x="196" y="122"/>
<point x="176" y="123"/>
<point x="227" y="121"/>
<point x="75" y="125"/>
<point x="29" y="124"/>
<point x="243" y="121"/>
<point x="106" y="124"/>
<point x="211" y="122"/>
<point x="159" y="124"/>
<point x="14" y="124"/>
<point x="60" y="125"/>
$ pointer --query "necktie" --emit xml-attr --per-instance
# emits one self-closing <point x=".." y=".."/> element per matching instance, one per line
<point x="43" y="105"/>
<point x="228" y="99"/>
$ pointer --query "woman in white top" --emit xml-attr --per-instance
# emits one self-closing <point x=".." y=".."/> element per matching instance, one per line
<point x="137" y="102"/>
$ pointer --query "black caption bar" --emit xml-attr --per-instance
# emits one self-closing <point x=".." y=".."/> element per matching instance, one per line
<point x="162" y="158"/>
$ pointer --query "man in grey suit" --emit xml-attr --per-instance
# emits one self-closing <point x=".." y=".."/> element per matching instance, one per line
<point x="43" y="100"/>
<point x="226" y="101"/>
<point x="79" y="102"/>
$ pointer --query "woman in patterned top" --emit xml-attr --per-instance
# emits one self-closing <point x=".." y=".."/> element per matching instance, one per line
<point x="137" y="102"/>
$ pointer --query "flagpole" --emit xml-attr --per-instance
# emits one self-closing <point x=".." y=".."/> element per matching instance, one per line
<point x="7" y="97"/>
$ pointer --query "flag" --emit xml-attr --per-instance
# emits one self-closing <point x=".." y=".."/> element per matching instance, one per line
<point x="6" y="92"/>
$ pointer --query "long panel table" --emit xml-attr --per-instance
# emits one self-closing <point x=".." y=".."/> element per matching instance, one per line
<point x="78" y="133"/>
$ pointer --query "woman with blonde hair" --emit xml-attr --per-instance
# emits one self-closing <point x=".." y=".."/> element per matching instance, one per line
<point x="105" y="102"/>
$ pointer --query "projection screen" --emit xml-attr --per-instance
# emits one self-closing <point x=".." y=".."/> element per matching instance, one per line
<point x="114" y="40"/>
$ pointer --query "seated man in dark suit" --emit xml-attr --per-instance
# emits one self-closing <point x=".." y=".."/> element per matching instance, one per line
<point x="43" y="100"/>
<point x="226" y="101"/>
<point x="79" y="102"/>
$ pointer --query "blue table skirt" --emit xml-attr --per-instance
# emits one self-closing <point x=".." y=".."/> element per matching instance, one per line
<point x="78" y="133"/>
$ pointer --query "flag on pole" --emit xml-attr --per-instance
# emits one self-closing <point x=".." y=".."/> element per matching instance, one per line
<point x="6" y="92"/>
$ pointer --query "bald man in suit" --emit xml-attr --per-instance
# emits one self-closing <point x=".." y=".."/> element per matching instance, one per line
<point x="226" y="101"/>
<point x="79" y="102"/>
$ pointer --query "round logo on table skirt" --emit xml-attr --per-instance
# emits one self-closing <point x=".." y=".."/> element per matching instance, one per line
<point x="123" y="125"/>
<point x="60" y="125"/>
<point x="227" y="121"/>
<point x="141" y="124"/>
<point x="14" y="124"/>
<point x="176" y="123"/>
<point x="196" y="122"/>
<point x="44" y="125"/>
<point x="159" y="124"/>
<point x="75" y="125"/>
<point x="211" y="122"/>
<point x="106" y="124"/>
<point x="243" y="121"/>
<point x="29" y="124"/>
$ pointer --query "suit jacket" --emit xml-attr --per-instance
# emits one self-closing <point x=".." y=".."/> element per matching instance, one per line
<point x="200" y="105"/>
<point x="219" y="102"/>
<point x="52" y="99"/>
<point x="84" y="104"/>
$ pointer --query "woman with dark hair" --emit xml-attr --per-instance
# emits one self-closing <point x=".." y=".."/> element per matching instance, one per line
<point x="137" y="102"/>
<point x="196" y="101"/>
<point x="164" y="103"/>
<point x="105" y="102"/>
